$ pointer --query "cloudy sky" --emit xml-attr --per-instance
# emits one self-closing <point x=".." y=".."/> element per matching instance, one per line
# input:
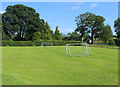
<point x="62" y="14"/>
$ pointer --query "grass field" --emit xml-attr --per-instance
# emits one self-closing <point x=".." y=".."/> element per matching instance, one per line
<point x="51" y="66"/>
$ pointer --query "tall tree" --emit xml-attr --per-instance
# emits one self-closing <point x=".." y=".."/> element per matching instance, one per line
<point x="37" y="36"/>
<point x="117" y="27"/>
<point x="57" y="35"/>
<point x="0" y="22"/>
<point x="89" y="23"/>
<point x="106" y="33"/>
<point x="20" y="21"/>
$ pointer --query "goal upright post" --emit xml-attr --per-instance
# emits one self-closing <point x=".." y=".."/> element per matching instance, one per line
<point x="77" y="49"/>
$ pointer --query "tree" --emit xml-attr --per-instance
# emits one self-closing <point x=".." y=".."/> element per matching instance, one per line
<point x="20" y="21"/>
<point x="0" y="27"/>
<point x="48" y="32"/>
<point x="73" y="36"/>
<point x="117" y="27"/>
<point x="57" y="35"/>
<point x="3" y="36"/>
<point x="89" y="23"/>
<point x="45" y="33"/>
<point x="37" y="36"/>
<point x="106" y="33"/>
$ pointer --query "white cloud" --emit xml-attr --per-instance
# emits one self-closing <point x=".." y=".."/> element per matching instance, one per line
<point x="77" y="5"/>
<point x="75" y="8"/>
<point x="66" y="30"/>
<point x="1" y="12"/>
<point x="93" y="5"/>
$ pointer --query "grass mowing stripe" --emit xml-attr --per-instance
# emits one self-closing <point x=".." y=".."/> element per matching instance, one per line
<point x="51" y="66"/>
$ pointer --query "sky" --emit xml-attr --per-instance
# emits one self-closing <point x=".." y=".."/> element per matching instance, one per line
<point x="62" y="14"/>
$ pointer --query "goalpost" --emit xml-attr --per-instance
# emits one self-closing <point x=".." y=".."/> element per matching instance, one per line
<point x="78" y="49"/>
<point x="46" y="44"/>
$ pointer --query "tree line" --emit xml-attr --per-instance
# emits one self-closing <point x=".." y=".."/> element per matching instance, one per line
<point x="22" y="23"/>
<point x="92" y="26"/>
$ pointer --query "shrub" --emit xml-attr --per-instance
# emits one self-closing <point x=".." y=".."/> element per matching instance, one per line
<point x="4" y="43"/>
<point x="111" y="42"/>
<point x="23" y="43"/>
<point x="10" y="42"/>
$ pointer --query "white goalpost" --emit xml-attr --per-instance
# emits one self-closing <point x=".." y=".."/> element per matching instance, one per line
<point x="50" y="44"/>
<point x="78" y="49"/>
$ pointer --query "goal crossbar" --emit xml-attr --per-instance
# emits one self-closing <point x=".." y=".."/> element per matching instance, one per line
<point x="82" y="49"/>
<point x="46" y="44"/>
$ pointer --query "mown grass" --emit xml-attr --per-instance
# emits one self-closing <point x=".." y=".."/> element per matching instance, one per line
<point x="51" y="66"/>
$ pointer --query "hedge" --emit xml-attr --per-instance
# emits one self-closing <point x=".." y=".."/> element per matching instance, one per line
<point x="17" y="43"/>
<point x="55" y="43"/>
<point x="37" y="43"/>
<point x="103" y="46"/>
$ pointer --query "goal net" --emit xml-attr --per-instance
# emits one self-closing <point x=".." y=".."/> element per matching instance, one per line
<point x="46" y="44"/>
<point x="78" y="49"/>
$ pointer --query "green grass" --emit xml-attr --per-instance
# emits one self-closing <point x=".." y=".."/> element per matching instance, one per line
<point x="51" y="66"/>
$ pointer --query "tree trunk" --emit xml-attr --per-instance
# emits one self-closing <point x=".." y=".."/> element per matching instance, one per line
<point x="20" y="33"/>
<point x="92" y="36"/>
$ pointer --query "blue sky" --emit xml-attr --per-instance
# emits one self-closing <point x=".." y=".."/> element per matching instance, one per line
<point x="62" y="14"/>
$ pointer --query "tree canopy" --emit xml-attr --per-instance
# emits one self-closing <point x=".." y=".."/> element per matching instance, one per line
<point x="23" y="23"/>
<point x="106" y="33"/>
<point x="20" y="23"/>
<point x="57" y="35"/>
<point x="117" y="27"/>
<point x="89" y="23"/>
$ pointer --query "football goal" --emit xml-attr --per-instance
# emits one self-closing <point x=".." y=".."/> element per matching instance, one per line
<point x="49" y="44"/>
<point x="78" y="49"/>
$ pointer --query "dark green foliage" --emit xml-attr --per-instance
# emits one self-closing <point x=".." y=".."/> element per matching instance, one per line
<point x="0" y="28"/>
<point x="117" y="27"/>
<point x="106" y="33"/>
<point x="89" y="23"/>
<point x="11" y="42"/>
<point x="35" y="43"/>
<point x="5" y="37"/>
<point x="117" y="42"/>
<point x="20" y="21"/>
<point x="57" y="35"/>
<point x="23" y="43"/>
<point x="59" y="43"/>
<point x="73" y="36"/>
<point x="16" y="43"/>
<point x="4" y="43"/>
<point x="23" y="23"/>
<point x="37" y="36"/>
<point x="111" y="42"/>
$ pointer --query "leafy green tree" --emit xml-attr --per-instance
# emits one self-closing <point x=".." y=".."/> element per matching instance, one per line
<point x="3" y="36"/>
<point x="89" y="23"/>
<point x="73" y="36"/>
<point x="0" y="27"/>
<point x="48" y="32"/>
<point x="20" y="21"/>
<point x="57" y="35"/>
<point x="106" y="33"/>
<point x="117" y="27"/>
<point x="37" y="36"/>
